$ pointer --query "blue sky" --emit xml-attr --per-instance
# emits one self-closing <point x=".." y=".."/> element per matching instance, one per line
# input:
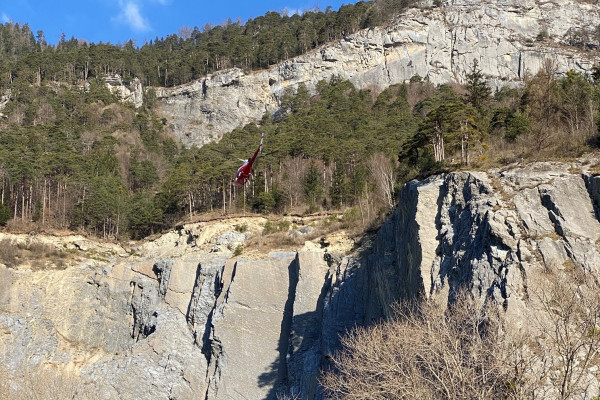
<point x="117" y="21"/>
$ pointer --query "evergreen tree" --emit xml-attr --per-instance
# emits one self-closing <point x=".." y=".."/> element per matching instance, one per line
<point x="478" y="90"/>
<point x="313" y="186"/>
<point x="338" y="192"/>
<point x="4" y="214"/>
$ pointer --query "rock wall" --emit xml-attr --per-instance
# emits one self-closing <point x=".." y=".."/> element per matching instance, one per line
<point x="178" y="317"/>
<point x="510" y="39"/>
<point x="130" y="92"/>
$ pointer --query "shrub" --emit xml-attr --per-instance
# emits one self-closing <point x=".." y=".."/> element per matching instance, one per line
<point x="409" y="357"/>
<point x="468" y="351"/>
<point x="281" y="226"/>
<point x="239" y="249"/>
<point x="241" y="228"/>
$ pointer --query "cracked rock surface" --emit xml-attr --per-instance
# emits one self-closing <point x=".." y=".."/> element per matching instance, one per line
<point x="510" y="39"/>
<point x="174" y="319"/>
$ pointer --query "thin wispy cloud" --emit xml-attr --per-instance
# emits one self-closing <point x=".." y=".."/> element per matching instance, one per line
<point x="131" y="15"/>
<point x="4" y="18"/>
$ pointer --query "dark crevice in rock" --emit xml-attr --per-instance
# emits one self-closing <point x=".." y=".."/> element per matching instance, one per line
<point x="232" y="279"/>
<point x="190" y="315"/>
<point x="283" y="345"/>
<point x="305" y="356"/>
<point x="472" y="254"/>
<point x="212" y="348"/>
<point x="143" y="306"/>
<point x="443" y="263"/>
<point x="197" y="316"/>
<point x="592" y="184"/>
<point x="207" y="343"/>
<point x="191" y="238"/>
<point x="520" y="259"/>
<point x="162" y="270"/>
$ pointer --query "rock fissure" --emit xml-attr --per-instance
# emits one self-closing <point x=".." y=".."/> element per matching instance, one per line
<point x="210" y="327"/>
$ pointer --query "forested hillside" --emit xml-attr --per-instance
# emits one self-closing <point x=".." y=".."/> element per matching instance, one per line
<point x="73" y="156"/>
<point x="95" y="164"/>
<point x="190" y="54"/>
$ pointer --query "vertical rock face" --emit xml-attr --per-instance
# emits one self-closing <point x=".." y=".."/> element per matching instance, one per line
<point x="130" y="92"/>
<point x="252" y="329"/>
<point x="510" y="39"/>
<point x="183" y="322"/>
<point x="488" y="231"/>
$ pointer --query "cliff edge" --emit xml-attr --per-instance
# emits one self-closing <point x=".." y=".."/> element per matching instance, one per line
<point x="510" y="39"/>
<point x="180" y="317"/>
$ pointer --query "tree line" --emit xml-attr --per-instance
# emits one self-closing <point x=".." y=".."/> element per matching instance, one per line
<point x="189" y="54"/>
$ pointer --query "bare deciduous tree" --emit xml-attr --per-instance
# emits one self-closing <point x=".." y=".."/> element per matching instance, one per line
<point x="293" y="171"/>
<point x="466" y="352"/>
<point x="568" y="334"/>
<point x="425" y="353"/>
<point x="383" y="173"/>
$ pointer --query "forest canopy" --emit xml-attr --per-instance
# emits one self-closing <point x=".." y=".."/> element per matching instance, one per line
<point x="83" y="160"/>
<point x="73" y="156"/>
<point x="188" y="55"/>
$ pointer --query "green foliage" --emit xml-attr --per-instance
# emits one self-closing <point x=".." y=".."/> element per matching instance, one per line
<point x="241" y="228"/>
<point x="517" y="124"/>
<point x="4" y="214"/>
<point x="144" y="216"/>
<point x="239" y="249"/>
<point x="143" y="174"/>
<point x="188" y="55"/>
<point x="105" y="208"/>
<point x="313" y="187"/>
<point x="340" y="189"/>
<point x="478" y="91"/>
<point x="72" y="156"/>
<point x="280" y="226"/>
<point x="264" y="202"/>
<point x="350" y="216"/>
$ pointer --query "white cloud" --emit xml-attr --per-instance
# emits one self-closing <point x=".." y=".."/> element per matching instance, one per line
<point x="4" y="18"/>
<point x="131" y="15"/>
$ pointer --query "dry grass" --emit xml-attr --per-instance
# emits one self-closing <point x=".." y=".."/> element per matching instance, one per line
<point x="284" y="233"/>
<point x="595" y="169"/>
<point x="558" y="146"/>
<point x="36" y="254"/>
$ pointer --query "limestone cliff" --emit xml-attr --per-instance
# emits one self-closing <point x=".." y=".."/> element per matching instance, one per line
<point x="177" y="317"/>
<point x="510" y="39"/>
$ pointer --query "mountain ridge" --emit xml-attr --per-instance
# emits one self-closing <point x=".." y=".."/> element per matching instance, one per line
<point x="510" y="41"/>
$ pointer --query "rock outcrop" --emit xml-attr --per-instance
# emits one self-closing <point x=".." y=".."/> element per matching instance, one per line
<point x="510" y="39"/>
<point x="178" y="317"/>
<point x="128" y="91"/>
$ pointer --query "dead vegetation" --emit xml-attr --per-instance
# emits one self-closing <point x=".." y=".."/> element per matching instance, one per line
<point x="36" y="254"/>
<point x="290" y="233"/>
<point x="467" y="351"/>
